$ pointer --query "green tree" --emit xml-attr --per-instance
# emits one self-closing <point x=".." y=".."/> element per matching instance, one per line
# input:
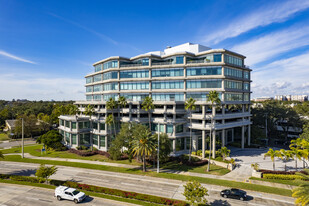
<point x="147" y="105"/>
<point x="305" y="134"/>
<point x="51" y="139"/>
<point x="272" y="154"/>
<point x="45" y="171"/>
<point x="297" y="154"/>
<point x="189" y="106"/>
<point x="30" y="125"/>
<point x="111" y="104"/>
<point x="143" y="144"/>
<point x="165" y="146"/>
<point x="225" y="152"/>
<point x="122" y="103"/>
<point x="301" y="193"/>
<point x="89" y="111"/>
<point x="109" y="121"/>
<point x="195" y="193"/>
<point x="285" y="155"/>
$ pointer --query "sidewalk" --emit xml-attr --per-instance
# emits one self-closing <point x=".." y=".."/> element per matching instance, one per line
<point x="239" y="174"/>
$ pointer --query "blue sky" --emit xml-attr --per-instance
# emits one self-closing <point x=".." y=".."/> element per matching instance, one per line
<point x="47" y="47"/>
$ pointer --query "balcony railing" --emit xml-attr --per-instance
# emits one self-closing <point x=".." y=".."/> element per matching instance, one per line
<point x="132" y="65"/>
<point x="196" y="61"/>
<point x="162" y="63"/>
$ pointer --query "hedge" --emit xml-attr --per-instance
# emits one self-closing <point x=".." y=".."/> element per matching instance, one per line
<point x="282" y="177"/>
<point x="132" y="195"/>
<point x="281" y="172"/>
<point x="89" y="153"/>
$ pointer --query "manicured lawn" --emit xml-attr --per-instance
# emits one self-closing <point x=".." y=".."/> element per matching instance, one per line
<point x="35" y="150"/>
<point x="286" y="182"/>
<point x="226" y="183"/>
<point x="93" y="194"/>
<point x="214" y="169"/>
<point x="4" y="136"/>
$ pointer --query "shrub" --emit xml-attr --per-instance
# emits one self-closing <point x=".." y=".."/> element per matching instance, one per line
<point x="282" y="177"/>
<point x="82" y="147"/>
<point x="89" y="153"/>
<point x="57" y="182"/>
<point x="281" y="172"/>
<point x="27" y="179"/>
<point x="199" y="153"/>
<point x="193" y="153"/>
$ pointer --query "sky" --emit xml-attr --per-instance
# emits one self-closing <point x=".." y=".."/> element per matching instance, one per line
<point x="47" y="47"/>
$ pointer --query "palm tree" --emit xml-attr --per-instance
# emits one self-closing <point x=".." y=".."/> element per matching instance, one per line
<point x="225" y="152"/>
<point x="189" y="106"/>
<point x="122" y="103"/>
<point x="272" y="154"/>
<point x="302" y="192"/>
<point x="147" y="105"/>
<point x="285" y="155"/>
<point x="89" y="111"/>
<point x="109" y="121"/>
<point x="297" y="154"/>
<point x="143" y="144"/>
<point x="73" y="110"/>
<point x="212" y="96"/>
<point x="111" y="104"/>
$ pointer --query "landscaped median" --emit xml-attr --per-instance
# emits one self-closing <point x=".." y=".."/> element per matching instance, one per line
<point x="141" y="198"/>
<point x="220" y="182"/>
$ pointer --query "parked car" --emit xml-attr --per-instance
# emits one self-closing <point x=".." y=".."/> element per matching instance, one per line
<point x="68" y="193"/>
<point x="234" y="193"/>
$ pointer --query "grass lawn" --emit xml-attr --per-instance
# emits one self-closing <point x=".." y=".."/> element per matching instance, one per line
<point x="35" y="150"/>
<point x="93" y="194"/>
<point x="286" y="182"/>
<point x="4" y="136"/>
<point x="226" y="183"/>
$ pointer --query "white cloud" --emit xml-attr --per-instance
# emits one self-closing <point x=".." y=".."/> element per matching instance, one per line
<point x="36" y="87"/>
<point x="266" y="47"/>
<point x="264" y="16"/>
<point x="286" y="76"/>
<point x="11" y="56"/>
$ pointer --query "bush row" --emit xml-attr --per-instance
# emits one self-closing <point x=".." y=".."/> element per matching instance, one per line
<point x="92" y="188"/>
<point x="185" y="160"/>
<point x="132" y="195"/>
<point x="89" y="153"/>
<point x="281" y="172"/>
<point x="282" y="177"/>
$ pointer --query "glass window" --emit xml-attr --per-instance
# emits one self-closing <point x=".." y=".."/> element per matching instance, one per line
<point x="97" y="88"/>
<point x="246" y="75"/>
<point x="167" y="72"/>
<point x="110" y="64"/>
<point x="246" y="86"/>
<point x="89" y="80"/>
<point x="168" y="96"/>
<point x="233" y="84"/>
<point x="246" y="97"/>
<point x="209" y="83"/>
<point x="233" y="97"/>
<point x="67" y="124"/>
<point x="202" y="96"/>
<point x="102" y="126"/>
<point x="167" y="85"/>
<point x="110" y="86"/>
<point x="232" y="72"/>
<point x="89" y="89"/>
<point x="135" y="97"/>
<point x="95" y="139"/>
<point x="196" y="71"/>
<point x="169" y="128"/>
<point x="95" y="125"/>
<point x="134" y="85"/>
<point x="134" y="74"/>
<point x="97" y="78"/>
<point x="102" y="141"/>
<point x="97" y="97"/>
<point x="179" y="60"/>
<point x="98" y="68"/>
<point x="233" y="60"/>
<point x="106" y="97"/>
<point x="67" y="137"/>
<point x="73" y="125"/>
<point x="89" y="97"/>
<point x="180" y="144"/>
<point x="145" y="62"/>
<point x="85" y="139"/>
<point x="74" y="137"/>
<point x="179" y="128"/>
<point x="217" y="57"/>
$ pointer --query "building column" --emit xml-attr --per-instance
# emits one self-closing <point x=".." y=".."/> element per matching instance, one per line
<point x="194" y="143"/>
<point x="106" y="141"/>
<point x="214" y="144"/>
<point x="203" y="143"/>
<point x="203" y="111"/>
<point x="77" y="134"/>
<point x="174" y="146"/>
<point x="223" y="138"/>
<point x="232" y="134"/>
<point x="130" y="111"/>
<point x="243" y="137"/>
<point x="249" y="134"/>
<point x="174" y="130"/>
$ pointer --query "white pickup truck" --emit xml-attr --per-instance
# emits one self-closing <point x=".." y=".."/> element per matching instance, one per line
<point x="68" y="193"/>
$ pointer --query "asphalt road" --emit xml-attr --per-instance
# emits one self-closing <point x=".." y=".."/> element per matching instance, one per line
<point x="9" y="144"/>
<point x="15" y="195"/>
<point x="143" y="184"/>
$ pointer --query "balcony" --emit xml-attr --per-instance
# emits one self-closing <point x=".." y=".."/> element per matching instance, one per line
<point x="131" y="65"/>
<point x="161" y="63"/>
<point x="200" y="61"/>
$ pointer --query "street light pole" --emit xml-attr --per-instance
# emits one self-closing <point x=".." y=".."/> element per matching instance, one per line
<point x="22" y="137"/>
<point x="158" y="160"/>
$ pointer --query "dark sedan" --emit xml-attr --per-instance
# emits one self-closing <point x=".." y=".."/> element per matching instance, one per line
<point x="234" y="193"/>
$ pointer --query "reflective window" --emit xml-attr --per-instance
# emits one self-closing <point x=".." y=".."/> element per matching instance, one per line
<point x="169" y="128"/>
<point x="95" y="139"/>
<point x="196" y="71"/>
<point x="110" y="86"/>
<point x="180" y="144"/>
<point x="217" y="57"/>
<point x="97" y="78"/>
<point x="135" y="97"/>
<point x="154" y="127"/>
<point x="73" y="125"/>
<point x="201" y="96"/>
<point x="74" y="137"/>
<point x="97" y="88"/>
<point x="233" y="84"/>
<point x="84" y="139"/>
<point x="246" y="75"/>
<point x="168" y="96"/>
<point x="89" y="97"/>
<point x="167" y="85"/>
<point x="233" y="60"/>
<point x="89" y="80"/>
<point x="246" y="86"/>
<point x="102" y="141"/>
<point x="232" y="72"/>
<point x="110" y="64"/>
<point x="106" y="97"/>
<point x="179" y="60"/>
<point x="89" y="89"/>
<point x="167" y="72"/>
<point x="246" y="97"/>
<point x="134" y="74"/>
<point x="207" y="83"/>
<point x="145" y="62"/>
<point x="98" y="68"/>
<point x="97" y="97"/>
<point x="134" y="85"/>
<point x="102" y="126"/>
<point x="67" y="137"/>
<point x="110" y="75"/>
<point x="179" y="128"/>
<point x="233" y="97"/>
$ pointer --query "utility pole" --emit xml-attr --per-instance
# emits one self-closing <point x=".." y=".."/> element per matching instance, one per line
<point x="22" y="137"/>
<point x="158" y="160"/>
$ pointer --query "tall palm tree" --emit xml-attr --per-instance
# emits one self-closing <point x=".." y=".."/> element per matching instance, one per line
<point x="109" y="121"/>
<point x="122" y="103"/>
<point x="143" y="144"/>
<point x="189" y="106"/>
<point x="89" y="111"/>
<point x="285" y="155"/>
<point x="302" y="192"/>
<point x="225" y="152"/>
<point x="147" y="105"/>
<point x="213" y="97"/>
<point x="297" y="154"/>
<point x="111" y="104"/>
<point x="272" y="154"/>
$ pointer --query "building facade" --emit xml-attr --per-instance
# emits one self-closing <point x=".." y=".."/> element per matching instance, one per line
<point x="170" y="78"/>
